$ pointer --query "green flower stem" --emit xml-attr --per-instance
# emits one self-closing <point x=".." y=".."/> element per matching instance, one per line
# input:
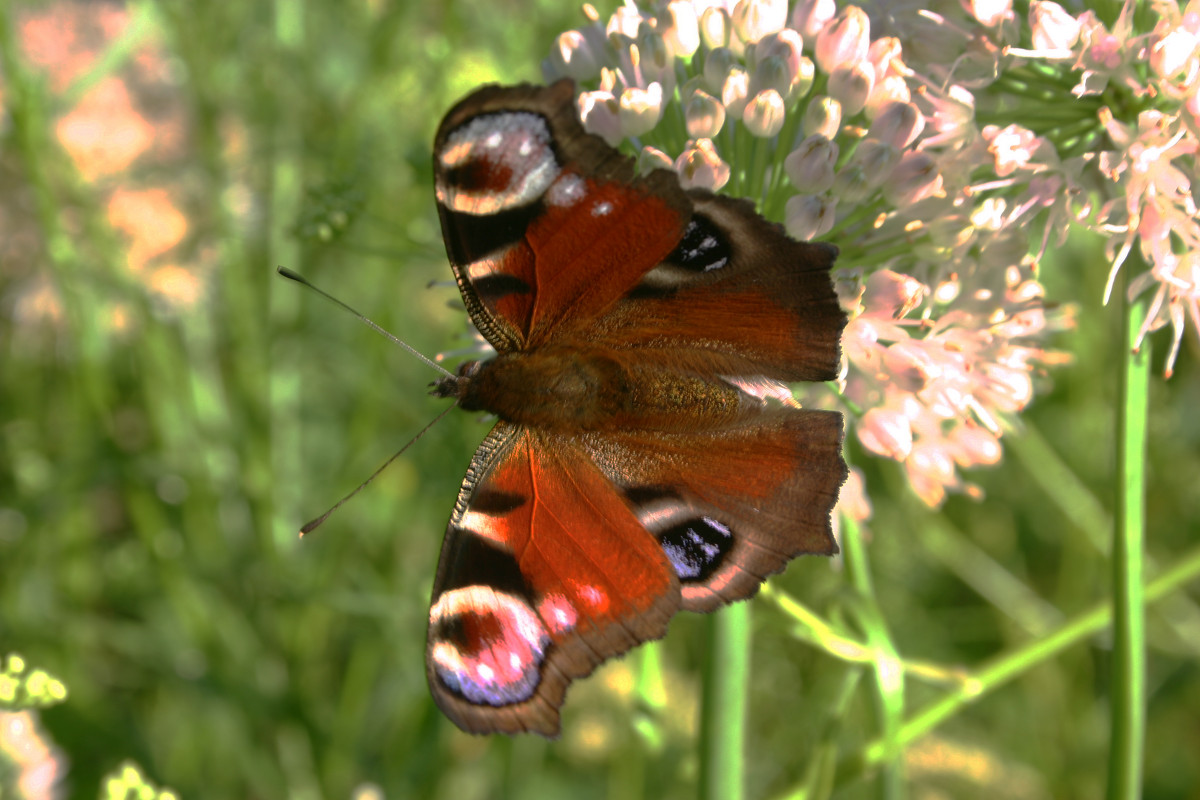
<point x="889" y="674"/>
<point x="723" y="715"/>
<point x="1127" y="694"/>
<point x="1008" y="666"/>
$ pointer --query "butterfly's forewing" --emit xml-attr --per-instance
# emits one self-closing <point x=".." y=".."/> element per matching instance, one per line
<point x="545" y="573"/>
<point x="543" y="223"/>
<point x="737" y="289"/>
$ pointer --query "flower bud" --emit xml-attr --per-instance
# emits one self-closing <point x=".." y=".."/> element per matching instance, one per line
<point x="764" y="114"/>
<point x="625" y="22"/>
<point x="754" y="19"/>
<point x="736" y="92"/>
<point x="823" y="116"/>
<point x="876" y="159"/>
<point x="851" y="85"/>
<point x="651" y="158"/>
<point x="892" y="89"/>
<point x="640" y="109"/>
<point x="898" y="124"/>
<point x="915" y="178"/>
<point x="991" y="13"/>
<point x="1176" y="57"/>
<point x="785" y="44"/>
<point x="717" y="65"/>
<point x="810" y="17"/>
<point x="704" y="115"/>
<point x="892" y="294"/>
<point x="700" y="167"/>
<point x="680" y="28"/>
<point x="807" y="216"/>
<point x="810" y="165"/>
<point x="844" y="42"/>
<point x="771" y="73"/>
<point x="1053" y="28"/>
<point x="715" y="27"/>
<point x="571" y="56"/>
<point x="600" y="114"/>
<point x="886" y="432"/>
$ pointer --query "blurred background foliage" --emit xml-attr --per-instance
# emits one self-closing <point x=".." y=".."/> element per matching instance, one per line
<point x="172" y="411"/>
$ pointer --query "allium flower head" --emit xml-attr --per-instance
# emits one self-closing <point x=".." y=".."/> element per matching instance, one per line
<point x="842" y="134"/>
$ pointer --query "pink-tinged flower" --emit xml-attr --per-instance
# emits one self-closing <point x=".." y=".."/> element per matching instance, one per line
<point x="1012" y="147"/>
<point x="735" y="94"/>
<point x="810" y="165"/>
<point x="951" y="115"/>
<point x="886" y="432"/>
<point x="104" y="133"/>
<point x="600" y="113"/>
<point x="680" y="28"/>
<point x="823" y="117"/>
<point x="914" y="179"/>
<point x="851" y="84"/>
<point x="785" y="44"/>
<point x="754" y="19"/>
<point x="37" y="766"/>
<point x="810" y="17"/>
<point x="651" y="158"/>
<point x="764" y="114"/>
<point x="705" y="115"/>
<point x="718" y="64"/>
<point x="150" y="220"/>
<point x="808" y="216"/>
<point x="876" y="159"/>
<point x="572" y="56"/>
<point x="934" y="220"/>
<point x="716" y="28"/>
<point x="1054" y="31"/>
<point x="845" y="42"/>
<point x="898" y="124"/>
<point x="991" y="13"/>
<point x="700" y="167"/>
<point x="640" y="109"/>
<point x="1175" y="58"/>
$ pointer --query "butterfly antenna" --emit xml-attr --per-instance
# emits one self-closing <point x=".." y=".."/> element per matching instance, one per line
<point x="287" y="273"/>
<point x="311" y="525"/>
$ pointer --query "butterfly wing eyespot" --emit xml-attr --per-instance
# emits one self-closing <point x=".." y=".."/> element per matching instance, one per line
<point x="649" y="457"/>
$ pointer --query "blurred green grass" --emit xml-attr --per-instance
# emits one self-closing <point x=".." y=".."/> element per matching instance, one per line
<point x="153" y="474"/>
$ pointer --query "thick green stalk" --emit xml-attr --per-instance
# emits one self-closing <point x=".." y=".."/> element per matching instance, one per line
<point x="1127" y="694"/>
<point x="723" y="720"/>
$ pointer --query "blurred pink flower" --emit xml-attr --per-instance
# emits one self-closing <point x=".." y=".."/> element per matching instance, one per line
<point x="38" y="765"/>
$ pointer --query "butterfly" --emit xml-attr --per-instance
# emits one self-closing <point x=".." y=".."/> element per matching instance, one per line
<point x="648" y="455"/>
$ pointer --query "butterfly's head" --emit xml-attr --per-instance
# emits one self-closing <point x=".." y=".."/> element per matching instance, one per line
<point x="456" y="386"/>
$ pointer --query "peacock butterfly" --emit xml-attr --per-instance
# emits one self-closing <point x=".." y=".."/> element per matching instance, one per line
<point x="648" y="455"/>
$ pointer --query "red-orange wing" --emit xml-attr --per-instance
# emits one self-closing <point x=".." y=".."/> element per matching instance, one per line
<point x="545" y="572"/>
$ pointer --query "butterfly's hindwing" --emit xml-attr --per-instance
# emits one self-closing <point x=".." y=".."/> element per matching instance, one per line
<point x="505" y="638"/>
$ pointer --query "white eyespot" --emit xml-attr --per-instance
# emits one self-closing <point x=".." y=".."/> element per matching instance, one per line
<point x="602" y="209"/>
<point x="496" y="162"/>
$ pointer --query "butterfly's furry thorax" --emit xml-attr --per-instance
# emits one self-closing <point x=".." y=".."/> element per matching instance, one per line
<point x="559" y="388"/>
